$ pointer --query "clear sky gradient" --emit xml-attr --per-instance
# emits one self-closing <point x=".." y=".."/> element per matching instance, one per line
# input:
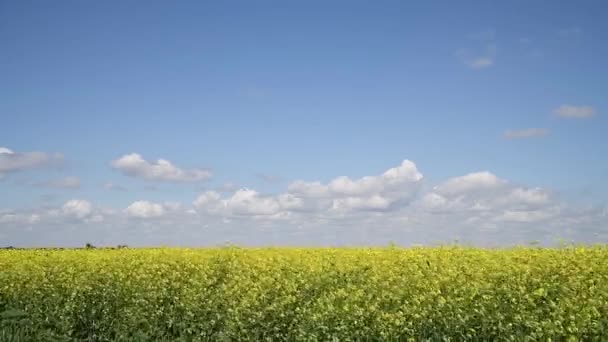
<point x="257" y="95"/>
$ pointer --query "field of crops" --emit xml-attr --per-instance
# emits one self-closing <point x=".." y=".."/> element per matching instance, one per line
<point x="289" y="294"/>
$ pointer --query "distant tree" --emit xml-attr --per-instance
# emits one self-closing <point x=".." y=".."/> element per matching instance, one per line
<point x="122" y="246"/>
<point x="89" y="246"/>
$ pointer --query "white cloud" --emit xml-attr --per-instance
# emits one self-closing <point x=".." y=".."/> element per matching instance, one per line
<point x="249" y="202"/>
<point x="575" y="112"/>
<point x="11" y="161"/>
<point x="209" y="201"/>
<point x="405" y="174"/>
<point x="524" y="215"/>
<point x="145" y="209"/>
<point x="526" y="133"/>
<point x="76" y="208"/>
<point x="308" y="189"/>
<point x="433" y="201"/>
<point x="471" y="182"/>
<point x="64" y="183"/>
<point x="244" y="202"/>
<point x="96" y="219"/>
<point x="478" y="207"/>
<point x="367" y="193"/>
<point x="342" y="194"/>
<point x="161" y="170"/>
<point x="172" y="206"/>
<point x="534" y="196"/>
<point x="484" y="199"/>
<point x="291" y="202"/>
<point x="374" y="202"/>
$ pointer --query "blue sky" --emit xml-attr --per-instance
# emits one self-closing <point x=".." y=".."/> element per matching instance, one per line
<point x="258" y="95"/>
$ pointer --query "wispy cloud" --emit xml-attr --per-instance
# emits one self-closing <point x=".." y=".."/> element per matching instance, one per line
<point x="526" y="133"/>
<point x="11" y="161"/>
<point x="575" y="112"/>
<point x="480" y="57"/>
<point x="481" y="62"/>
<point x="62" y="183"/>
<point x="114" y="187"/>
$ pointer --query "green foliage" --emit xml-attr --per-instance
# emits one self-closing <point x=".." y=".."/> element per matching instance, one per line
<point x="291" y="294"/>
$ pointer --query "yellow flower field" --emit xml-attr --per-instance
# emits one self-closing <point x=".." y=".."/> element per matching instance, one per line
<point x="305" y="294"/>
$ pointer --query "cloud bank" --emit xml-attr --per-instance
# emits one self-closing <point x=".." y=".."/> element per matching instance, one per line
<point x="395" y="205"/>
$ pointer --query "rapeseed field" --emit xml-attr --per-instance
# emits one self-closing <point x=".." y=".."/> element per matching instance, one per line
<point x="305" y="294"/>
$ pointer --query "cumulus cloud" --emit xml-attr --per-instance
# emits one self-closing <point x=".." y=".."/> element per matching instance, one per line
<point x="402" y="177"/>
<point x="11" y="161"/>
<point x="342" y="194"/>
<point x="161" y="170"/>
<point x="487" y="197"/>
<point x="209" y="201"/>
<point x="395" y="205"/>
<point x="250" y="202"/>
<point x="308" y="189"/>
<point x="245" y="202"/>
<point x="77" y="208"/>
<point x="471" y="182"/>
<point x="575" y="112"/>
<point x="526" y="133"/>
<point x="145" y="209"/>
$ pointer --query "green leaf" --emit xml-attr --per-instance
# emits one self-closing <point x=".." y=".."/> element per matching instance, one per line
<point x="13" y="314"/>
<point x="540" y="292"/>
